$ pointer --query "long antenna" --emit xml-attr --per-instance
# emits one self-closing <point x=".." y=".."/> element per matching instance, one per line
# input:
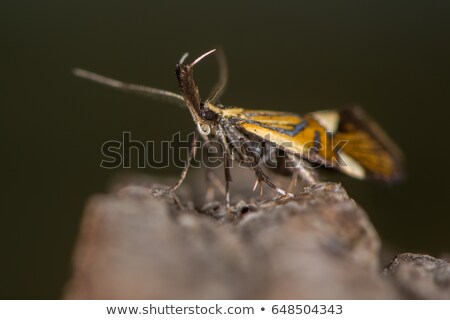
<point x="201" y="57"/>
<point x="130" y="87"/>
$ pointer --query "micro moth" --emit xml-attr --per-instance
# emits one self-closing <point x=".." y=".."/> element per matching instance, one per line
<point x="346" y="140"/>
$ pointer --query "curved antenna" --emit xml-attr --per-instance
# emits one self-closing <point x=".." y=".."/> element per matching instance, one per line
<point x="221" y="84"/>
<point x="201" y="57"/>
<point x="130" y="87"/>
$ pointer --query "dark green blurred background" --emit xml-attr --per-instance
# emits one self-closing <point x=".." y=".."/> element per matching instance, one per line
<point x="391" y="57"/>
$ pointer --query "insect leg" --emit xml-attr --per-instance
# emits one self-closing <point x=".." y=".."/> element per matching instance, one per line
<point x="228" y="179"/>
<point x="262" y="177"/>
<point x="255" y="166"/>
<point x="191" y="155"/>
<point x="227" y="158"/>
<point x="299" y="169"/>
<point x="212" y="182"/>
<point x="293" y="182"/>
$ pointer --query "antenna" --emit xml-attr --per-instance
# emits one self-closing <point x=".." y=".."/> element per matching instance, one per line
<point x="201" y="57"/>
<point x="130" y="87"/>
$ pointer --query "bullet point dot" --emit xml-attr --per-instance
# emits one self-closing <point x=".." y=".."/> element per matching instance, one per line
<point x="262" y="309"/>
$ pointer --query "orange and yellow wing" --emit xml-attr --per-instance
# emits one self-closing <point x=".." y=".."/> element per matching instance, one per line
<point x="346" y="140"/>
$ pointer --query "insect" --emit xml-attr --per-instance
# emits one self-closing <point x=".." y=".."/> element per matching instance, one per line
<point x="346" y="140"/>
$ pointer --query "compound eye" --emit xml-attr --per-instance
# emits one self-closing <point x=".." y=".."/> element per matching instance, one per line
<point x="209" y="115"/>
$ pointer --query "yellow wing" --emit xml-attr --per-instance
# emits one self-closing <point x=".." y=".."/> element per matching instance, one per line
<point x="345" y="140"/>
<point x="369" y="145"/>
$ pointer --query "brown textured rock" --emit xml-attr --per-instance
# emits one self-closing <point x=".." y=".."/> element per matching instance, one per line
<point x="145" y="243"/>
<point x="420" y="276"/>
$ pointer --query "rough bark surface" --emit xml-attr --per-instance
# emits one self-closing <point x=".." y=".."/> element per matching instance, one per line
<point x="141" y="242"/>
<point x="420" y="276"/>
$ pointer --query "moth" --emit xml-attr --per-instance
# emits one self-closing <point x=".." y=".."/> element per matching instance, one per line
<point x="346" y="140"/>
